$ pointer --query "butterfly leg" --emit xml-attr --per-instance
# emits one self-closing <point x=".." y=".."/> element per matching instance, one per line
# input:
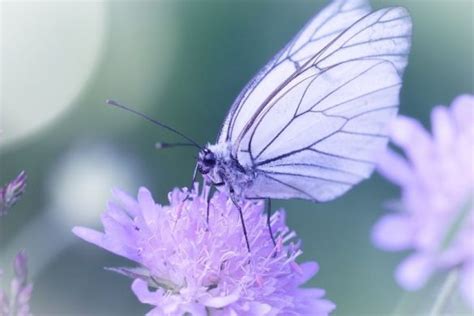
<point x="212" y="185"/>
<point x="209" y="195"/>
<point x="269" y="214"/>
<point x="232" y="196"/>
<point x="192" y="182"/>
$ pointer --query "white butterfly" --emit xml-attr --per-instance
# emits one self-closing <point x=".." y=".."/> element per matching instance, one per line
<point x="309" y="124"/>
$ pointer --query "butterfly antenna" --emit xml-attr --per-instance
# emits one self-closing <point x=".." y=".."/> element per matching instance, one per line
<point x="163" y="145"/>
<point x="129" y="109"/>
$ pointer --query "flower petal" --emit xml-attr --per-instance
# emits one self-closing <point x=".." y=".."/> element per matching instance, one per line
<point x="414" y="271"/>
<point x="89" y="235"/>
<point x="144" y="295"/>
<point x="410" y="135"/>
<point x="443" y="127"/>
<point x="309" y="269"/>
<point x="393" y="232"/>
<point x="257" y="308"/>
<point x="467" y="284"/>
<point x="126" y="201"/>
<point x="314" y="293"/>
<point x="101" y="240"/>
<point x="403" y="129"/>
<point x="220" y="301"/>
<point x="324" y="307"/>
<point x="155" y="312"/>
<point x="463" y="111"/>
<point x="147" y="206"/>
<point x="394" y="167"/>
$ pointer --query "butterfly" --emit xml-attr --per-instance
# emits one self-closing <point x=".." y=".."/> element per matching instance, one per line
<point x="311" y="121"/>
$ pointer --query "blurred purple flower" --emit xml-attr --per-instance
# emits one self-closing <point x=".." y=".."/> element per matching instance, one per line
<point x="436" y="214"/>
<point x="17" y="303"/>
<point x="11" y="192"/>
<point x="186" y="266"/>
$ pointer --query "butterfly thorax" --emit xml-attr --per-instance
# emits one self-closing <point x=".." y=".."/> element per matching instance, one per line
<point x="218" y="166"/>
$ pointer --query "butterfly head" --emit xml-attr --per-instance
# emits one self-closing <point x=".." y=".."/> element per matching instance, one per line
<point x="206" y="161"/>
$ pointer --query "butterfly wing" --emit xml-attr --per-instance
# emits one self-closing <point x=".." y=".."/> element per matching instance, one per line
<point x="315" y="35"/>
<point x="315" y="135"/>
<point x="328" y="142"/>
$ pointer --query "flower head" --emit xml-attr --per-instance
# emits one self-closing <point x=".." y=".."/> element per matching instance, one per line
<point x="10" y="193"/>
<point x="20" y="290"/>
<point x="436" y="216"/>
<point x="189" y="266"/>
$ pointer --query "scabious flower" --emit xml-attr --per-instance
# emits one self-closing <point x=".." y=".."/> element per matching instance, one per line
<point x="186" y="266"/>
<point x="10" y="193"/>
<point x="17" y="303"/>
<point x="436" y="213"/>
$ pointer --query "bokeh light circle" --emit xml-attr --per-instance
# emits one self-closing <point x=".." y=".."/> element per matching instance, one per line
<point x="83" y="179"/>
<point x="49" y="51"/>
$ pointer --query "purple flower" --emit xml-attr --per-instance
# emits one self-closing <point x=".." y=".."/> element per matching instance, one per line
<point x="435" y="215"/>
<point x="20" y="290"/>
<point x="11" y="192"/>
<point x="187" y="266"/>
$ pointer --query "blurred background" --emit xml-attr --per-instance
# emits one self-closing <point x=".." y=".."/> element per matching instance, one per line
<point x="182" y="62"/>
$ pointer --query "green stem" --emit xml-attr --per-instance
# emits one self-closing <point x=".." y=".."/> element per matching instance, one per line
<point x="445" y="293"/>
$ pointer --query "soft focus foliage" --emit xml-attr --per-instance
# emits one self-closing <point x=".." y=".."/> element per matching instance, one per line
<point x="16" y="301"/>
<point x="11" y="192"/>
<point x="189" y="266"/>
<point x="436" y="216"/>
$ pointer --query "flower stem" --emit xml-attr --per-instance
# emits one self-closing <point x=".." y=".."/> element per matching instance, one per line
<point x="444" y="293"/>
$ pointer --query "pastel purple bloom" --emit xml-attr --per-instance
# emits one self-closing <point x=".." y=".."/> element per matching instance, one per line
<point x="436" y="213"/>
<point x="189" y="267"/>
<point x="16" y="303"/>
<point x="10" y="193"/>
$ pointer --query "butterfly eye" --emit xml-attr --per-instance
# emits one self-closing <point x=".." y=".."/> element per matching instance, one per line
<point x="209" y="159"/>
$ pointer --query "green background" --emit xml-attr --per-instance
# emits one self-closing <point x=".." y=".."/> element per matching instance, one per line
<point x="186" y="71"/>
